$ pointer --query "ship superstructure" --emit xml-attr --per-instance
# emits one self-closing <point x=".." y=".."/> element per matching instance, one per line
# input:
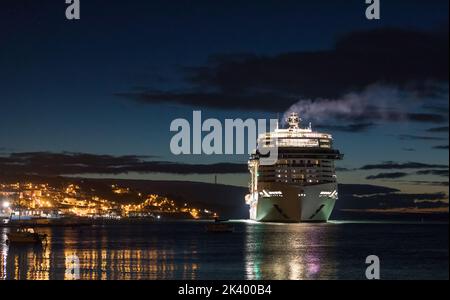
<point x="301" y="186"/>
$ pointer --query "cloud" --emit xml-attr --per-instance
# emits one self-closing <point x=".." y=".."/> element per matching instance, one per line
<point x="342" y="169"/>
<point x="425" y="117"/>
<point x="393" y="200"/>
<point x="438" y="108"/>
<point x="364" y="189"/>
<point x="438" y="129"/>
<point x="387" y="175"/>
<point x="394" y="175"/>
<point x="390" y="165"/>
<point x="409" y="149"/>
<point x="366" y="197"/>
<point x="424" y="182"/>
<point x="334" y="77"/>
<point x="441" y="147"/>
<point x="420" y="137"/>
<point x="443" y="173"/>
<point x="361" y="198"/>
<point x="47" y="163"/>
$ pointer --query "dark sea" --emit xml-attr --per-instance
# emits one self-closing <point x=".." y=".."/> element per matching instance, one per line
<point x="184" y="250"/>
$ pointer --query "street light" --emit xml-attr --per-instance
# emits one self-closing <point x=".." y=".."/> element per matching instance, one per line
<point x="5" y="204"/>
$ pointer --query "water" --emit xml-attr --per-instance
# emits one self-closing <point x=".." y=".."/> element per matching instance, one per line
<point x="183" y="250"/>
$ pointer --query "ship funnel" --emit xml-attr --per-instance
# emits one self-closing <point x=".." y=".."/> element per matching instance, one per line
<point x="293" y="120"/>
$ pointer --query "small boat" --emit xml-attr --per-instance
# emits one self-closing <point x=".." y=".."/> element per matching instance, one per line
<point x="26" y="236"/>
<point x="218" y="226"/>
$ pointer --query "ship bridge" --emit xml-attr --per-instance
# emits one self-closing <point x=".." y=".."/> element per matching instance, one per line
<point x="295" y="136"/>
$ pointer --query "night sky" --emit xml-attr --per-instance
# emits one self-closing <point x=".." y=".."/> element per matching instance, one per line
<point x="83" y="96"/>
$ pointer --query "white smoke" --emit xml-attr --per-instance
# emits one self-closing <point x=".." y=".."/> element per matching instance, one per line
<point x="375" y="102"/>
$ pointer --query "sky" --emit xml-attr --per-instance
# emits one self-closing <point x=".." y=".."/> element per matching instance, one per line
<point x="82" y="97"/>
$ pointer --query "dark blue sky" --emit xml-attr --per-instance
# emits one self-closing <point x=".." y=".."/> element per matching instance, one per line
<point x="60" y="79"/>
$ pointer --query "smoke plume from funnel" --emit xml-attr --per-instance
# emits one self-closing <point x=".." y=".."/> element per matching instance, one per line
<point x="375" y="102"/>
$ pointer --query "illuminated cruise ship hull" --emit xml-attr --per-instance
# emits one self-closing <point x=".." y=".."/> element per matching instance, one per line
<point x="290" y="203"/>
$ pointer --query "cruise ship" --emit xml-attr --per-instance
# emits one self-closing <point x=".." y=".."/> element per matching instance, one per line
<point x="301" y="186"/>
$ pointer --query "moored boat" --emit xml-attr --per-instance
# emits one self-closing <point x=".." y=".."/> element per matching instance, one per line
<point x="219" y="226"/>
<point x="26" y="235"/>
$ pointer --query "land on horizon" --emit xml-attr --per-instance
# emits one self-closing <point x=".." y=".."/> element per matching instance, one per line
<point x="356" y="201"/>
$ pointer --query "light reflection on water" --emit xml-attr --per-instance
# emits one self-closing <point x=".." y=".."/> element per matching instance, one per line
<point x="288" y="254"/>
<point x="183" y="250"/>
<point x="102" y="255"/>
